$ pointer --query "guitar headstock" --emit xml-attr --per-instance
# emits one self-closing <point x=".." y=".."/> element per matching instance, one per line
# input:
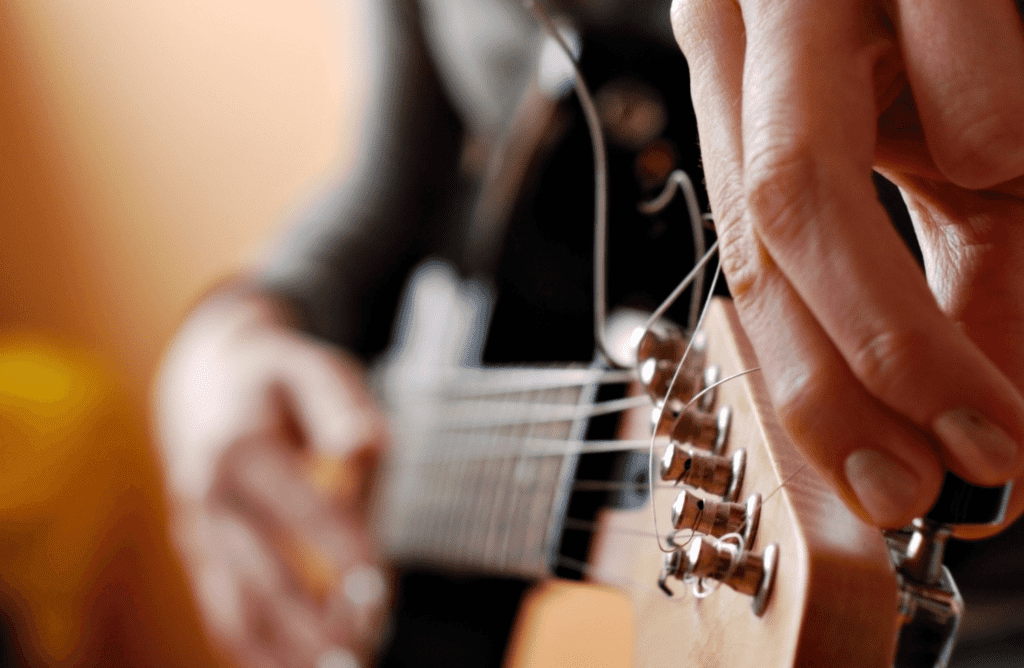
<point x="829" y="598"/>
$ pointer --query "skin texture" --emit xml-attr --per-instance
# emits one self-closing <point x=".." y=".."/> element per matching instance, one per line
<point x="269" y="439"/>
<point x="883" y="377"/>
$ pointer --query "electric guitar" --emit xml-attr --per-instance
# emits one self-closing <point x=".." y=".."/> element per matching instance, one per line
<point x="753" y="561"/>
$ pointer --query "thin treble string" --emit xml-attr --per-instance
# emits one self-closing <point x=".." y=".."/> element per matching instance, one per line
<point x="468" y="382"/>
<point x="668" y="394"/>
<point x="674" y="295"/>
<point x="682" y="180"/>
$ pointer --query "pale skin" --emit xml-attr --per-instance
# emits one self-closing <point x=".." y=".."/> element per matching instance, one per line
<point x="245" y="405"/>
<point x="884" y="377"/>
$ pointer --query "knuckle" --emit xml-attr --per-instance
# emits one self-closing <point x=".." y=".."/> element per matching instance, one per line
<point x="799" y="402"/>
<point x="738" y="253"/>
<point x="782" y="185"/>
<point x="986" y="149"/>
<point x="885" y="359"/>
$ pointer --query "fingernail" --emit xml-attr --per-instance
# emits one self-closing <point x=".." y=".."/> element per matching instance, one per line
<point x="364" y="587"/>
<point x="358" y="599"/>
<point x="884" y="486"/>
<point x="972" y="438"/>
<point x="337" y="657"/>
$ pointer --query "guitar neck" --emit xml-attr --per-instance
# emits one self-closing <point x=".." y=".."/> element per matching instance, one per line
<point x="484" y="467"/>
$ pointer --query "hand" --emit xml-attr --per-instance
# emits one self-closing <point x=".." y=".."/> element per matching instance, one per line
<point x="269" y="440"/>
<point x="882" y="377"/>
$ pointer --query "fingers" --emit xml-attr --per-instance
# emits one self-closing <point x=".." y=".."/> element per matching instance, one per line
<point x="965" y="64"/>
<point x="866" y="371"/>
<point x="327" y="393"/>
<point x="311" y="566"/>
<point x="883" y="467"/>
<point x="250" y="612"/>
<point x="809" y="196"/>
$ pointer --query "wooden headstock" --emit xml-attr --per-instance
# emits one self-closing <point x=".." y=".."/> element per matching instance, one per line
<point x="834" y="598"/>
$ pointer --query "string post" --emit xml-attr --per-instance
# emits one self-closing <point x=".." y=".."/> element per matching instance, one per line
<point x="717" y="518"/>
<point x="695" y="427"/>
<point x="727" y="561"/>
<point x="715" y="474"/>
<point x="660" y="350"/>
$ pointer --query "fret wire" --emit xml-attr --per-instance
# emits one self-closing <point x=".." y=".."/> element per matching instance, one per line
<point x="566" y="470"/>
<point x="455" y="472"/>
<point x="513" y="528"/>
<point x="468" y="524"/>
<point x="500" y="521"/>
<point x="476" y="544"/>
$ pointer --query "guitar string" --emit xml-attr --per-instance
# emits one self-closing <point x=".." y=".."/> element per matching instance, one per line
<point x="467" y="382"/>
<point x="679" y="178"/>
<point x="668" y="393"/>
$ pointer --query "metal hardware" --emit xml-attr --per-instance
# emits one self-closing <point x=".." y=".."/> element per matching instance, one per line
<point x="929" y="603"/>
<point x="723" y="561"/>
<point x="717" y="518"/>
<point x="714" y="474"/>
<point x="658" y="353"/>
<point x="700" y="429"/>
<point x="712" y="375"/>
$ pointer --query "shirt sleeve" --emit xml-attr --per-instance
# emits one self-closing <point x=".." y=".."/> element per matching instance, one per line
<point x="343" y="261"/>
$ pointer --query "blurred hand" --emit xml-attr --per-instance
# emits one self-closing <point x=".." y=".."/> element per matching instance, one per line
<point x="882" y="377"/>
<point x="269" y="440"/>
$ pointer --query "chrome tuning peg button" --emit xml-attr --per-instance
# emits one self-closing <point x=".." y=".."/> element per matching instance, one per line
<point x="712" y="375"/>
<point x="717" y="518"/>
<point x="701" y="429"/>
<point x="658" y="354"/>
<point x="740" y="569"/>
<point x="722" y="476"/>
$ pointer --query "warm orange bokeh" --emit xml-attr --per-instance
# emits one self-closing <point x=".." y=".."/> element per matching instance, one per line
<point x="147" y="149"/>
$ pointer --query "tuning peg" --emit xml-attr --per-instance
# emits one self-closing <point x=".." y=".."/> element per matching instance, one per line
<point x="717" y="518"/>
<point x="724" y="561"/>
<point x="659" y="351"/>
<point x="930" y="604"/>
<point x="696" y="427"/>
<point x="714" y="474"/>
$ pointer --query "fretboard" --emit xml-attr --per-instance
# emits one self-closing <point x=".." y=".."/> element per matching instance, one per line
<point x="483" y="468"/>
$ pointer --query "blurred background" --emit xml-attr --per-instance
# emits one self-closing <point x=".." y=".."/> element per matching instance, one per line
<point x="147" y="149"/>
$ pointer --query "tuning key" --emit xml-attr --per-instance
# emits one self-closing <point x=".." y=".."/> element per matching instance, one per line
<point x="659" y="351"/>
<point x="714" y="474"/>
<point x="717" y="518"/>
<point x="744" y="571"/>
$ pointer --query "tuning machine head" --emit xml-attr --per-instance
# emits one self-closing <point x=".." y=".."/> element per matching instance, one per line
<point x="694" y="427"/>
<point x="659" y="351"/>
<point x="717" y="518"/>
<point x="725" y="561"/>
<point x="722" y="476"/>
